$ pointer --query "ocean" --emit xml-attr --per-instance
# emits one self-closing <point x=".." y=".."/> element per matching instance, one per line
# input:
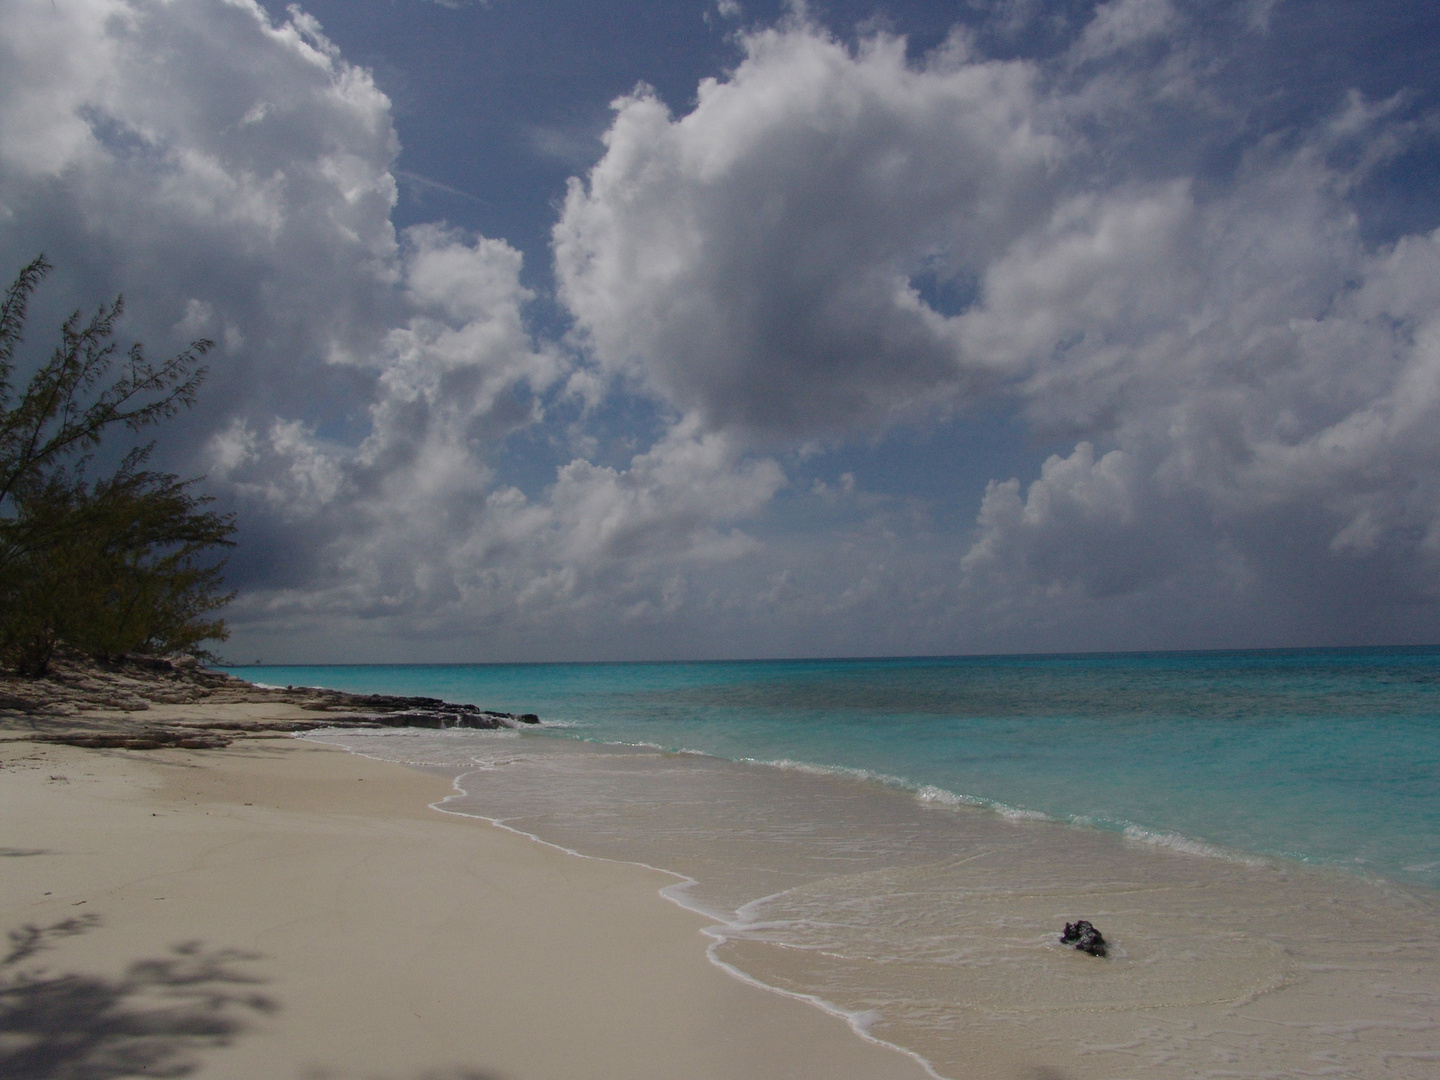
<point x="900" y="841"/>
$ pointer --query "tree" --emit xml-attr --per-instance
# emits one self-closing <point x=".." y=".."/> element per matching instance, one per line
<point x="124" y="563"/>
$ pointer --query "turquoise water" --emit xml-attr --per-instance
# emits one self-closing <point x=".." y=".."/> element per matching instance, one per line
<point x="1329" y="757"/>
<point x="900" y="841"/>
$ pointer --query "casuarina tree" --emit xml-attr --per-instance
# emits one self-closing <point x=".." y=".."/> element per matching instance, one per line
<point x="120" y="563"/>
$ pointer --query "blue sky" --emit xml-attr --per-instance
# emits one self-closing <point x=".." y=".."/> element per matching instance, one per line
<point x="641" y="330"/>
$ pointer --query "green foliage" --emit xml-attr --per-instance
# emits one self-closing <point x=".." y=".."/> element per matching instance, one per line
<point x="120" y="564"/>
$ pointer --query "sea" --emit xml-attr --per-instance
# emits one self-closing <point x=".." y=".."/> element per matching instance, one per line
<point x="900" y="841"/>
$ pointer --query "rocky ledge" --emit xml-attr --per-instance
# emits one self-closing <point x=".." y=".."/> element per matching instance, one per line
<point x="83" y="703"/>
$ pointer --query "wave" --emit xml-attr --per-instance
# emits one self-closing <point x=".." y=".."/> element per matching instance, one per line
<point x="1187" y="845"/>
<point x="933" y="795"/>
<point x="866" y="775"/>
<point x="938" y="796"/>
<point x="1159" y="839"/>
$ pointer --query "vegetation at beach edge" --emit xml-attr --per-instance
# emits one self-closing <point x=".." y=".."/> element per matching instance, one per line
<point x="129" y="561"/>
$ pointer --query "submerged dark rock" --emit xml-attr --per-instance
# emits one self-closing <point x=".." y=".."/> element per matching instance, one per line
<point x="390" y="710"/>
<point x="446" y="716"/>
<point x="1083" y="935"/>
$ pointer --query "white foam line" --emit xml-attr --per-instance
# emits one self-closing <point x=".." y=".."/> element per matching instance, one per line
<point x="857" y="1021"/>
<point x="1185" y="845"/>
<point x="928" y="794"/>
<point x="925" y="793"/>
<point x="931" y="795"/>
<point x="1175" y="843"/>
<point x="811" y="769"/>
<point x="742" y="918"/>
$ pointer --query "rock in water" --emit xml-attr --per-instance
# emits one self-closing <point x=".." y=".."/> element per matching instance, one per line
<point x="1083" y="935"/>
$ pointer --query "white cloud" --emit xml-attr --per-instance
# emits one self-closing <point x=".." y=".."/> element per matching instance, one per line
<point x="196" y="152"/>
<point x="602" y="544"/>
<point x="1245" y="376"/>
<point x="831" y="242"/>
<point x="1269" y="386"/>
<point x="1121" y="24"/>
<point x="234" y="176"/>
<point x="1081" y="526"/>
<point x="753" y="261"/>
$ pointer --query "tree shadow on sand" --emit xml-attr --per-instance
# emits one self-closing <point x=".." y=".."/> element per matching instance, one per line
<point x="151" y="1021"/>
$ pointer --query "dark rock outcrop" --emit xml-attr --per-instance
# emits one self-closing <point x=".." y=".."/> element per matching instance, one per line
<point x="86" y="703"/>
<point x="445" y="716"/>
<point x="391" y="710"/>
<point x="1083" y="935"/>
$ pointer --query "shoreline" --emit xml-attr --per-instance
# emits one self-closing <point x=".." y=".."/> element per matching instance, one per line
<point x="1286" y="966"/>
<point x="256" y="911"/>
<point x="718" y="930"/>
<point x="1239" y="758"/>
<point x="1268" y="966"/>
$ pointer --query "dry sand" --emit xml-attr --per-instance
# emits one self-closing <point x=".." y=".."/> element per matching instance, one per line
<point x="279" y="909"/>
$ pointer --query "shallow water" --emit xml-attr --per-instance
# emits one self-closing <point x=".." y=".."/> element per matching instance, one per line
<point x="1252" y="833"/>
<point x="934" y="926"/>
<point x="1325" y="756"/>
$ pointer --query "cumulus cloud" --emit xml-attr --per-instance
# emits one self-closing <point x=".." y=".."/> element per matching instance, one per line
<point x="836" y="240"/>
<point x="757" y="260"/>
<point x="229" y="174"/>
<point x="1247" y="379"/>
<point x="235" y="176"/>
<point x="1122" y="24"/>
<point x="1265" y="382"/>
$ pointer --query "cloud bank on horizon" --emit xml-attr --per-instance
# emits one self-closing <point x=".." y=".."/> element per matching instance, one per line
<point x="839" y="241"/>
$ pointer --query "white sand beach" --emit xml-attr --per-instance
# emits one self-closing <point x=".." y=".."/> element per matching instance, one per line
<point x="280" y="909"/>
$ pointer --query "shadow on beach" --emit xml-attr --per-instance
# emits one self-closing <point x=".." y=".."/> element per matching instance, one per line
<point x="153" y="1020"/>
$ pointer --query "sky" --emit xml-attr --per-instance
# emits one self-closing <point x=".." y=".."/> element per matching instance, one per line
<point x="686" y="330"/>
